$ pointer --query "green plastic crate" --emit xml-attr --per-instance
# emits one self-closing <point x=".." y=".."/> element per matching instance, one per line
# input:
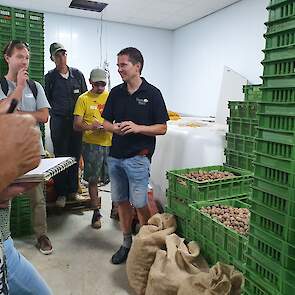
<point x="282" y="108"/>
<point x="245" y="127"/>
<point x="278" y="149"/>
<point x="244" y="144"/>
<point x="274" y="188"/>
<point x="281" y="11"/>
<point x="275" y="95"/>
<point x="192" y="190"/>
<point x="286" y="137"/>
<point x="21" y="217"/>
<point x="276" y="225"/>
<point x="277" y="122"/>
<point x="281" y="252"/>
<point x="182" y="223"/>
<point x="272" y="173"/>
<point x="252" y="92"/>
<point x="279" y="53"/>
<point x="269" y="197"/>
<point x="286" y="165"/>
<point x="273" y="3"/>
<point x="240" y="160"/>
<point x="263" y="271"/>
<point x="280" y="40"/>
<point x="242" y="109"/>
<point x="225" y="238"/>
<point x="253" y="287"/>
<point x="279" y="25"/>
<point x="178" y="205"/>
<point x="213" y="253"/>
<point x="280" y="68"/>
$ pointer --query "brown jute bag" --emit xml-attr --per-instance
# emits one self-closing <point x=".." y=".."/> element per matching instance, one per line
<point x="173" y="266"/>
<point x="143" y="251"/>
<point x="221" y="279"/>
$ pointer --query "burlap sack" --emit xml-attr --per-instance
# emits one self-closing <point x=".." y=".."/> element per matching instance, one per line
<point x="172" y="267"/>
<point x="147" y="242"/>
<point x="221" y="279"/>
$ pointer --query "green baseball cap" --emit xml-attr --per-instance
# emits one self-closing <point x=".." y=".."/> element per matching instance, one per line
<point x="54" y="48"/>
<point x="98" y="75"/>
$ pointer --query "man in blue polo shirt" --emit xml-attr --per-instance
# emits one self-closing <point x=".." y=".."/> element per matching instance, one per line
<point x="135" y="113"/>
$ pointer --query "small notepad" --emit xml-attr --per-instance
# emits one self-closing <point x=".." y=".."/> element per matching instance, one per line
<point x="47" y="169"/>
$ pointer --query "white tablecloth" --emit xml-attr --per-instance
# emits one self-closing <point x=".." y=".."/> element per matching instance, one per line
<point x="185" y="147"/>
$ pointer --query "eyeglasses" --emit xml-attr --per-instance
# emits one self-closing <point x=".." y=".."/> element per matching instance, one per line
<point x="12" y="44"/>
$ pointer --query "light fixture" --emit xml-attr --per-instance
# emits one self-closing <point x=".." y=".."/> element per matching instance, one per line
<point x="88" y="5"/>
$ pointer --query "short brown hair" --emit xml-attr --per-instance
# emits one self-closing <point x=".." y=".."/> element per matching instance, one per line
<point x="8" y="49"/>
<point x="134" y="55"/>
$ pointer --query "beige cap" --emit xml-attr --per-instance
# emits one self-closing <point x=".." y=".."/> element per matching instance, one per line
<point x="98" y="75"/>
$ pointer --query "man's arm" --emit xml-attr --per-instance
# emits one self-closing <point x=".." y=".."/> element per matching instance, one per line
<point x="81" y="125"/>
<point x="129" y="127"/>
<point x="41" y="116"/>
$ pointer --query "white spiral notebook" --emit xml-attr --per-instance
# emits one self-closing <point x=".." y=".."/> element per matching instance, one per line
<point x="47" y="169"/>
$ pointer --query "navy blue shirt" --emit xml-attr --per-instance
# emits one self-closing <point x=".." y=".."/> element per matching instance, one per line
<point x="63" y="93"/>
<point x="145" y="106"/>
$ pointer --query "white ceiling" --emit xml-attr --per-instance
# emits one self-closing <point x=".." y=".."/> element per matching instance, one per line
<point x="165" y="14"/>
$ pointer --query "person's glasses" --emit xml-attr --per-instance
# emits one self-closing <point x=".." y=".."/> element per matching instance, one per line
<point x="14" y="43"/>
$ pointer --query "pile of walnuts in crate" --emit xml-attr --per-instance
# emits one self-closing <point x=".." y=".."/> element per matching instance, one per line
<point x="209" y="175"/>
<point x="234" y="218"/>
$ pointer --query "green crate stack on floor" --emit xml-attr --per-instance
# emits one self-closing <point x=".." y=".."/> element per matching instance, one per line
<point x="21" y="217"/>
<point x="183" y="191"/>
<point x="270" y="267"/>
<point x="242" y="129"/>
<point x="27" y="26"/>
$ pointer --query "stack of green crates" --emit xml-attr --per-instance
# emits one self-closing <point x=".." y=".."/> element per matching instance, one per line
<point x="27" y="26"/>
<point x="182" y="192"/>
<point x="21" y="217"/>
<point x="242" y="123"/>
<point x="270" y="267"/>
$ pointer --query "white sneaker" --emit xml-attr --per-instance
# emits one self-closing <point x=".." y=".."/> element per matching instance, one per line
<point x="60" y="201"/>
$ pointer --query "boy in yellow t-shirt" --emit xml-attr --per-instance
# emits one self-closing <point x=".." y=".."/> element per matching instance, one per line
<point x="96" y="141"/>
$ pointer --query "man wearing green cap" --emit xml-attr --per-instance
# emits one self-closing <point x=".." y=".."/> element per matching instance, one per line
<point x="63" y="86"/>
<point x="96" y="141"/>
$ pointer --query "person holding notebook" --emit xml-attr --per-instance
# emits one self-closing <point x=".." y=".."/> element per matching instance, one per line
<point x="96" y="141"/>
<point x="33" y="101"/>
<point x="19" y="154"/>
<point x="21" y="274"/>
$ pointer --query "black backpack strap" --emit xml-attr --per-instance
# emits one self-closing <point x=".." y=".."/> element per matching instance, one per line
<point x="32" y="85"/>
<point x="4" y="85"/>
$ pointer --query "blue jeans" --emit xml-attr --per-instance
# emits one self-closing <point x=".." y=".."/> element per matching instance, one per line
<point x="23" y="278"/>
<point x="129" y="180"/>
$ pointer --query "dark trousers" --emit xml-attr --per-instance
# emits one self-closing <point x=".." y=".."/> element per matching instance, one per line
<point x="66" y="143"/>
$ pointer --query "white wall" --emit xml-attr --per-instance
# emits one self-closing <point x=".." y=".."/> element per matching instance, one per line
<point x="232" y="37"/>
<point x="81" y="38"/>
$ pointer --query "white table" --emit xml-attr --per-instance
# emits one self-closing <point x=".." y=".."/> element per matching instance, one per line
<point x="185" y="147"/>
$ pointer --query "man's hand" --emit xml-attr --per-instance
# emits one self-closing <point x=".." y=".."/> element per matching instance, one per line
<point x="128" y="127"/>
<point x="20" y="147"/>
<point x="12" y="191"/>
<point x="117" y="129"/>
<point x="96" y="125"/>
<point x="4" y="106"/>
<point x="21" y="78"/>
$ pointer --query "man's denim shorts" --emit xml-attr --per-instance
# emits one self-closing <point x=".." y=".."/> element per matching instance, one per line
<point x="129" y="180"/>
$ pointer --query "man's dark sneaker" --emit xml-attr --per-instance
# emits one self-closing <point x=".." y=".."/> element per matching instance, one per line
<point x="95" y="222"/>
<point x="120" y="256"/>
<point x="44" y="245"/>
